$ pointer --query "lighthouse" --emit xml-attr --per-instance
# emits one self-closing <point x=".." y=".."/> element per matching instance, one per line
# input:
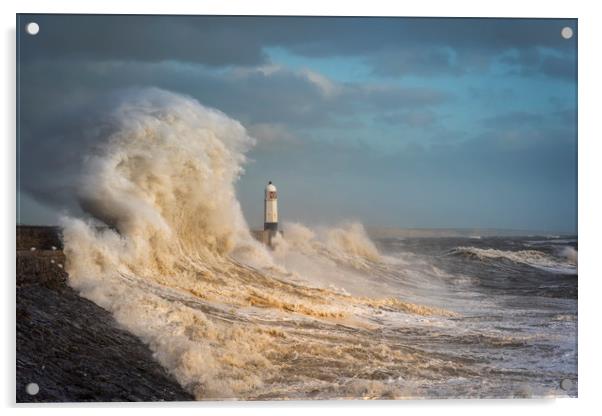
<point x="270" y="210"/>
<point x="270" y="216"/>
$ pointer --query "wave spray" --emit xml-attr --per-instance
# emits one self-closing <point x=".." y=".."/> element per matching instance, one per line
<point x="167" y="250"/>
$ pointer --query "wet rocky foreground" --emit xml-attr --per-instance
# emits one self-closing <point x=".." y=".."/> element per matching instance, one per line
<point x="73" y="350"/>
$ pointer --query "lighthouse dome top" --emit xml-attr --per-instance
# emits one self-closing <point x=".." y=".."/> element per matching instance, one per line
<point x="270" y="187"/>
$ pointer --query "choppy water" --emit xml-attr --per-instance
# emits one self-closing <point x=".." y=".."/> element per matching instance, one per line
<point x="517" y="305"/>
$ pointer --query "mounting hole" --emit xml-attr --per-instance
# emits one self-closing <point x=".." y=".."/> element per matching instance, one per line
<point x="566" y="32"/>
<point x="566" y="384"/>
<point x="32" y="389"/>
<point x="32" y="28"/>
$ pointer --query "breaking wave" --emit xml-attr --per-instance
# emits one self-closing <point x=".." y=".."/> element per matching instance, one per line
<point x="167" y="250"/>
<point x="565" y="263"/>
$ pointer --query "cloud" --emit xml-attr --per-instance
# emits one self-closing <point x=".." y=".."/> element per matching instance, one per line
<point x="434" y="46"/>
<point x="267" y="133"/>
<point x="274" y="95"/>
<point x="533" y="62"/>
<point x="476" y="179"/>
<point x="326" y="86"/>
<point x="560" y="67"/>
<point x="214" y="41"/>
<point x="61" y="100"/>
<point x="435" y="150"/>
<point x="391" y="46"/>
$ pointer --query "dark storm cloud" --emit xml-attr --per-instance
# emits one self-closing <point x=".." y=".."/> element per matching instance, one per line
<point x="141" y="38"/>
<point x="258" y="95"/>
<point x="64" y="99"/>
<point x="359" y="35"/>
<point x="449" y="46"/>
<point x="55" y="135"/>
<point x="424" y="46"/>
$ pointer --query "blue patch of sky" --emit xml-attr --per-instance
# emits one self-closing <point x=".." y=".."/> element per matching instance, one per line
<point x="476" y="94"/>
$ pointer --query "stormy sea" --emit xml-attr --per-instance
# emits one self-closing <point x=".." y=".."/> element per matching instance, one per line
<point x="328" y="312"/>
<point x="515" y="332"/>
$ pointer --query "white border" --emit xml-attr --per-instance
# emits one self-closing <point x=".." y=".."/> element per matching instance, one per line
<point x="590" y="207"/>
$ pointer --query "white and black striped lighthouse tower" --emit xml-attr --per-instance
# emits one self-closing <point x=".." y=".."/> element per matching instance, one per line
<point x="270" y="210"/>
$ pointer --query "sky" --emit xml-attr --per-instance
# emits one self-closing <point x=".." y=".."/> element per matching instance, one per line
<point x="394" y="122"/>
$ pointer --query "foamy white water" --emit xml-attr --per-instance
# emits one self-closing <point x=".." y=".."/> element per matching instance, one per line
<point x="533" y="258"/>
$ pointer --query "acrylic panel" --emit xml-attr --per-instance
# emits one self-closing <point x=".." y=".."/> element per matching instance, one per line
<point x="295" y="208"/>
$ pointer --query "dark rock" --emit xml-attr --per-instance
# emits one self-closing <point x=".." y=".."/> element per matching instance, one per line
<point x="73" y="349"/>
